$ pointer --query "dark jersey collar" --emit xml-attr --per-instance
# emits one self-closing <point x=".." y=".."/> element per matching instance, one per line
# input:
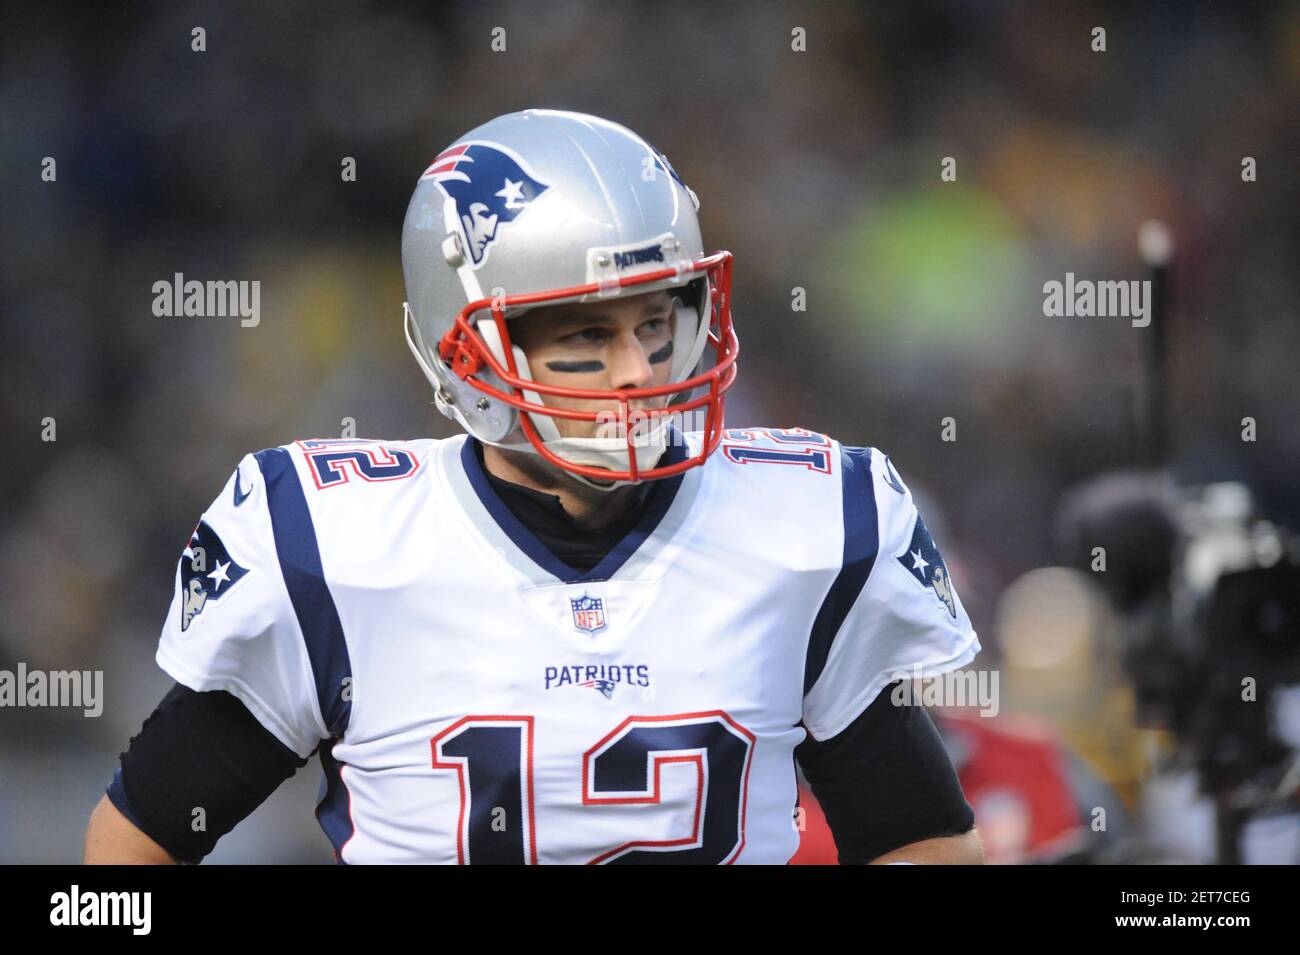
<point x="540" y="527"/>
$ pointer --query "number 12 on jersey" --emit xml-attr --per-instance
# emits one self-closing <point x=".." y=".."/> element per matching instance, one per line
<point x="492" y="757"/>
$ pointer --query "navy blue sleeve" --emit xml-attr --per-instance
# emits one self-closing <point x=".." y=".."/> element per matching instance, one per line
<point x="885" y="781"/>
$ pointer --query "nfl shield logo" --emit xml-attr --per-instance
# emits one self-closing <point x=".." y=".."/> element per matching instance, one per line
<point x="588" y="613"/>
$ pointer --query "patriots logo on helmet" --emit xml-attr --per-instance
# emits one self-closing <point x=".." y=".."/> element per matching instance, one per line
<point x="491" y="187"/>
<point x="208" y="573"/>
<point x="924" y="562"/>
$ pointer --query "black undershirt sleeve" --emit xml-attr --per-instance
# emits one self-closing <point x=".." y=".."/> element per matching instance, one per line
<point x="198" y="751"/>
<point x="885" y="781"/>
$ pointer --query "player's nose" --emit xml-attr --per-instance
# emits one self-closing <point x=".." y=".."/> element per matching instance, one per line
<point x="629" y="363"/>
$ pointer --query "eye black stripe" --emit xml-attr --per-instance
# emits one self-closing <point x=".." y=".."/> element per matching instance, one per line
<point x="576" y="365"/>
<point x="662" y="354"/>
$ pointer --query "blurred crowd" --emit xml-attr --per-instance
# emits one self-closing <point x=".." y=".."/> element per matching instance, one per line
<point x="820" y="169"/>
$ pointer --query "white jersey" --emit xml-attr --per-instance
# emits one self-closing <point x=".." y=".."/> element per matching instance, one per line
<point x="476" y="700"/>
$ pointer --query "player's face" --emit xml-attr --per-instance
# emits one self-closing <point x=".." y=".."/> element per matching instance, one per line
<point x="619" y="343"/>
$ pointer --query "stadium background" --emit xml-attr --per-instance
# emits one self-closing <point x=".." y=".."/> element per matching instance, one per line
<point x="819" y="170"/>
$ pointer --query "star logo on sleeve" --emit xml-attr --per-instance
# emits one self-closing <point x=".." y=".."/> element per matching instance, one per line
<point x="199" y="584"/>
<point x="220" y="575"/>
<point x="924" y="562"/>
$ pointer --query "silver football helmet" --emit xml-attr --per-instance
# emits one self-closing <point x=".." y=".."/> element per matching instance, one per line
<point x="541" y="207"/>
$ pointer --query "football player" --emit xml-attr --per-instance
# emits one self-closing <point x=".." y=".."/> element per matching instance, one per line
<point x="584" y="631"/>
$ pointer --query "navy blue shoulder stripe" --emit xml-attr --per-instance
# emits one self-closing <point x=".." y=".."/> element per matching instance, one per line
<point x="300" y="563"/>
<point x="861" y="537"/>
